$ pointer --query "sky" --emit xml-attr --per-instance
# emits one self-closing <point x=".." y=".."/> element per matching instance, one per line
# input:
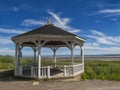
<point x="98" y="21"/>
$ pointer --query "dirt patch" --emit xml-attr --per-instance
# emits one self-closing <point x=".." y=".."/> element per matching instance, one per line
<point x="60" y="85"/>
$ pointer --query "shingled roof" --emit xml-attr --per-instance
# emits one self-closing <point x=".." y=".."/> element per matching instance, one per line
<point x="47" y="30"/>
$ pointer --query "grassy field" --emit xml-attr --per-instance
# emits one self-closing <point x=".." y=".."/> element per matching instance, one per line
<point x="94" y="69"/>
<point x="104" y="70"/>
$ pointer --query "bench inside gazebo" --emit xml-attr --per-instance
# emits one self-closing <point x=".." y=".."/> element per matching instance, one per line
<point x="48" y="36"/>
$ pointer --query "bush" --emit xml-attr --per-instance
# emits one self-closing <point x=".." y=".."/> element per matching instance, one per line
<point x="6" y="62"/>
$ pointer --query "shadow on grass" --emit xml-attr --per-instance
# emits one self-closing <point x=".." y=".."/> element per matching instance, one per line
<point x="8" y="76"/>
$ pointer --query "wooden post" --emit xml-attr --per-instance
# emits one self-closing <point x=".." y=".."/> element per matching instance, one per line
<point x="39" y="59"/>
<point x="72" y="56"/>
<point x="64" y="71"/>
<point x="54" y="58"/>
<point x="20" y="68"/>
<point x="16" y="60"/>
<point x="48" y="72"/>
<point x="32" y="72"/>
<point x="82" y="54"/>
<point x="54" y="50"/>
<point x="34" y="55"/>
<point x="19" y="56"/>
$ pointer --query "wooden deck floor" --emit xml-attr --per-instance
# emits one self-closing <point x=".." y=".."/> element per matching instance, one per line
<point x="54" y="73"/>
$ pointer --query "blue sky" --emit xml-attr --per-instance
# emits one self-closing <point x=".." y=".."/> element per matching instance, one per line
<point x="96" y="20"/>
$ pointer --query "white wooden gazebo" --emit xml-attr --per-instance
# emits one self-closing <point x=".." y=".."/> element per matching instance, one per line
<point x="52" y="37"/>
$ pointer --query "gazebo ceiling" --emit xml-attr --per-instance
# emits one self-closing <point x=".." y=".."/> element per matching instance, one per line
<point x="49" y="43"/>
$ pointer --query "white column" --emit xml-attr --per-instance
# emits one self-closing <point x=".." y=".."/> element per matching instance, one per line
<point x="48" y="72"/>
<point x="82" y="54"/>
<point x="39" y="59"/>
<point x="34" y="56"/>
<point x="16" y="60"/>
<point x="54" y="57"/>
<point x="54" y="51"/>
<point x="19" y="55"/>
<point x="72" y="56"/>
<point x="64" y="70"/>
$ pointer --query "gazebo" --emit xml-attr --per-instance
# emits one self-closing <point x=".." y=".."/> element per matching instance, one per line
<point x="48" y="36"/>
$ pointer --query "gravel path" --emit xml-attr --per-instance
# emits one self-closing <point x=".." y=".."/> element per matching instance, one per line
<point x="60" y="85"/>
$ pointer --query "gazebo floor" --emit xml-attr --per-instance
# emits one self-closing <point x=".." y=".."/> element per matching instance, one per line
<point x="54" y="73"/>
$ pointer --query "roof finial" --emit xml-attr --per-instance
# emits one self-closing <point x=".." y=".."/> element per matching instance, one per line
<point x="49" y="22"/>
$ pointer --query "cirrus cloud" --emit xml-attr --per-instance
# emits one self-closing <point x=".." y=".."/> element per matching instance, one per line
<point x="109" y="12"/>
<point x="57" y="21"/>
<point x="11" y="31"/>
<point x="104" y="39"/>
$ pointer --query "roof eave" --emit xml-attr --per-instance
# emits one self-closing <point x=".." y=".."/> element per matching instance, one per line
<point x="80" y="39"/>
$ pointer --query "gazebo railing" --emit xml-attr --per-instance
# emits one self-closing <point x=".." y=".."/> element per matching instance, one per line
<point x="19" y="71"/>
<point x="68" y="70"/>
<point x="44" y="72"/>
<point x="72" y="70"/>
<point x="77" y="69"/>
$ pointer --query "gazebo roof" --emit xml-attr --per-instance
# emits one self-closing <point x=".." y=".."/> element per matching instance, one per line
<point x="50" y="33"/>
<point x="47" y="30"/>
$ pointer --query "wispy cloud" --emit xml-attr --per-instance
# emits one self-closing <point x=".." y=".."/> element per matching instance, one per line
<point x="63" y="22"/>
<point x="110" y="12"/>
<point x="11" y="31"/>
<point x="6" y="51"/>
<point x="92" y="49"/>
<point x="100" y="43"/>
<point x="32" y="22"/>
<point x="5" y="40"/>
<point x="104" y="39"/>
<point x="57" y="21"/>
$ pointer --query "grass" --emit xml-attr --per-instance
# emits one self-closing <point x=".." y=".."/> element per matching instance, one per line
<point x="103" y="70"/>
<point x="6" y="74"/>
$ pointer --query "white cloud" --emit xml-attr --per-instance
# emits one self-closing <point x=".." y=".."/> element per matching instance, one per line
<point x="110" y="12"/>
<point x="101" y="38"/>
<point x="63" y="23"/>
<point x="57" y="21"/>
<point x="6" y="51"/>
<point x="5" y="40"/>
<point x="11" y="31"/>
<point x="32" y="22"/>
<point x="97" y="33"/>
<point x="91" y="49"/>
<point x="100" y="43"/>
